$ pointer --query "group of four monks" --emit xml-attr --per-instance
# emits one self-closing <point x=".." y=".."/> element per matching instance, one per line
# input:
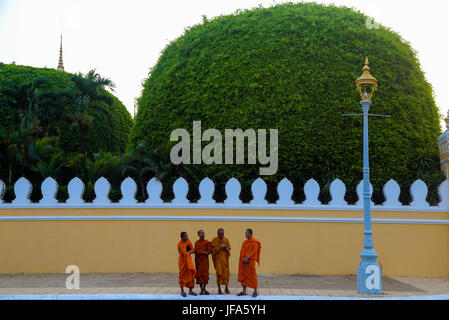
<point x="220" y="249"/>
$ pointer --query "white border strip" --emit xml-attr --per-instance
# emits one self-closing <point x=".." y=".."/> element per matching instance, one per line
<point x="244" y="206"/>
<point x="219" y="218"/>
<point x="211" y="297"/>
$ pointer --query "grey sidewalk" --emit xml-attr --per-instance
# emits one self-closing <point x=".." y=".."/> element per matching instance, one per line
<point x="163" y="283"/>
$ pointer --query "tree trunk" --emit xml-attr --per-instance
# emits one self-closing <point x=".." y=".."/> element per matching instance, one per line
<point x="82" y="146"/>
<point x="143" y="188"/>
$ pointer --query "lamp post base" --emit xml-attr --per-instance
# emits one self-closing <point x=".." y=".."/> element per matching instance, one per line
<point x="369" y="274"/>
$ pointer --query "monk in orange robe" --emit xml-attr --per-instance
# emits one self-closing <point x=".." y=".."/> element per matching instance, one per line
<point x="249" y="254"/>
<point x="186" y="268"/>
<point x="202" y="250"/>
<point x="221" y="250"/>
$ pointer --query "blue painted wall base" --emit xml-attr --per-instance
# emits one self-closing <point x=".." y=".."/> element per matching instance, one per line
<point x="369" y="278"/>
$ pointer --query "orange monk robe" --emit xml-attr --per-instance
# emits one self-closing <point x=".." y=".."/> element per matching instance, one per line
<point x="220" y="258"/>
<point x="186" y="268"/>
<point x="247" y="272"/>
<point x="202" y="261"/>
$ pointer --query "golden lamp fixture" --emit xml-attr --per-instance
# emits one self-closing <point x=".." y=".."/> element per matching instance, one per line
<point x="366" y="83"/>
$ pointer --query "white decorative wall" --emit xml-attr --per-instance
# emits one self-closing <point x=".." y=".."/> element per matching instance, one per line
<point x="102" y="187"/>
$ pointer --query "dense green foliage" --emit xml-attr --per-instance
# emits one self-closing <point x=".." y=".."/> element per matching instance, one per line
<point x="60" y="125"/>
<point x="45" y="114"/>
<point x="24" y="153"/>
<point x="45" y="98"/>
<point x="292" y="67"/>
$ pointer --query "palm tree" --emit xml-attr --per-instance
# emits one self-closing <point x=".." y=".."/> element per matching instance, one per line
<point x="146" y="161"/>
<point x="48" y="160"/>
<point x="23" y="97"/>
<point x="140" y="165"/>
<point x="90" y="94"/>
<point x="36" y="102"/>
<point x="14" y="156"/>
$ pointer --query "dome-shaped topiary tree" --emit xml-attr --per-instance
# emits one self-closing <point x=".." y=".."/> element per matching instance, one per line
<point x="292" y="67"/>
<point x="28" y="93"/>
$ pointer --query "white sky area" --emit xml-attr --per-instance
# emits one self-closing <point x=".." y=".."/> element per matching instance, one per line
<point x="123" y="39"/>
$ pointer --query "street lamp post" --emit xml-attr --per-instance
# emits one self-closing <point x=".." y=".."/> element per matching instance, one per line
<point x="369" y="274"/>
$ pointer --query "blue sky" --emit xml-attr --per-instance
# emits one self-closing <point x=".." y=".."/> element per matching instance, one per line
<point x="123" y="39"/>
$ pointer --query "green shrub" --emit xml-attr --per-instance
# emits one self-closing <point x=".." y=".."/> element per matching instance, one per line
<point x="48" y="95"/>
<point x="292" y="67"/>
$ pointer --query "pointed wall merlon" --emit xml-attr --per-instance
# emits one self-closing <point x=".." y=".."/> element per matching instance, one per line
<point x="129" y="190"/>
<point x="154" y="190"/>
<point x="206" y="188"/>
<point x="180" y="189"/>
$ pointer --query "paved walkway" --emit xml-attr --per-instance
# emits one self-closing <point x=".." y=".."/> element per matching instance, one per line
<point x="164" y="285"/>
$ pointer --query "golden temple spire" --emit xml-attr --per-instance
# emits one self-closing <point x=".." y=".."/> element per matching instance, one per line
<point x="60" y="64"/>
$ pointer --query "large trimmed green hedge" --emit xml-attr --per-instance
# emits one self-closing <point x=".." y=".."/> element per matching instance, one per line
<point x="53" y="97"/>
<point x="293" y="67"/>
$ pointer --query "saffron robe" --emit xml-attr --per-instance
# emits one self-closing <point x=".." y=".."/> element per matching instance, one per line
<point x="186" y="268"/>
<point x="220" y="258"/>
<point x="247" y="272"/>
<point x="202" y="261"/>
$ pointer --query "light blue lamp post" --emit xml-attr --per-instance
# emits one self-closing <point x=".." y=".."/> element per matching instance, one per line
<point x="369" y="274"/>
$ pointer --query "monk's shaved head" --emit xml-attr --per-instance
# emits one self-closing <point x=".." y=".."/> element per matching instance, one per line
<point x="201" y="233"/>
<point x="220" y="233"/>
<point x="249" y="233"/>
<point x="184" y="236"/>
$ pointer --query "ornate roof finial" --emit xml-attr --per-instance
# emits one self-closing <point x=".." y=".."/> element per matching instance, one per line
<point x="447" y="120"/>
<point x="366" y="67"/>
<point x="60" y="64"/>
